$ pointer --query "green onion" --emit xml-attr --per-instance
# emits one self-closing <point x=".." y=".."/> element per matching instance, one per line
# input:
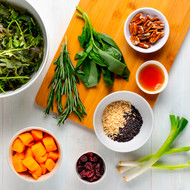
<point x="177" y="126"/>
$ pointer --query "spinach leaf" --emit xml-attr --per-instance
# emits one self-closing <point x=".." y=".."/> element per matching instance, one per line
<point x="108" y="77"/>
<point x="101" y="54"/>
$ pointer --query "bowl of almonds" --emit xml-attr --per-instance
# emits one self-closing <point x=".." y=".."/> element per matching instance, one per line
<point x="146" y="30"/>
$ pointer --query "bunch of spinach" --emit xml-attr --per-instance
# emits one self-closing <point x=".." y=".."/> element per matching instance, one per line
<point x="101" y="54"/>
<point x="64" y="83"/>
<point x="21" y="47"/>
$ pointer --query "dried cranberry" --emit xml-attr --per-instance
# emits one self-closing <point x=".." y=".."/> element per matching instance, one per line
<point x="97" y="168"/>
<point x="94" y="178"/>
<point x="98" y="174"/>
<point x="90" y="174"/>
<point x="80" y="168"/>
<point x="79" y="162"/>
<point x="83" y="158"/>
<point x="93" y="158"/>
<point x="89" y="153"/>
<point x="102" y="170"/>
<point x="83" y="174"/>
<point x="88" y="166"/>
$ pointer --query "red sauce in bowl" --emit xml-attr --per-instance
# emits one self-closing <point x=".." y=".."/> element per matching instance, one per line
<point x="151" y="77"/>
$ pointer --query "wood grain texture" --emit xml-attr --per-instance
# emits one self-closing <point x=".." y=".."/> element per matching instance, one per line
<point x="108" y="16"/>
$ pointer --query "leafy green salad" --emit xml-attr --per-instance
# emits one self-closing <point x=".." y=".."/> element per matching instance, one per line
<point x="21" y="47"/>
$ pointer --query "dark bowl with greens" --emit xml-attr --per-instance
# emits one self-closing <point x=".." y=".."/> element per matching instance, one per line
<point x="23" y="46"/>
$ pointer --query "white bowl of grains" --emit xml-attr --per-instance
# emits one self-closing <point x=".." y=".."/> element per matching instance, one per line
<point x="123" y="121"/>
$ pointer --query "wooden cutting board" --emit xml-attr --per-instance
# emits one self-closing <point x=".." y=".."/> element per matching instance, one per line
<point x="108" y="16"/>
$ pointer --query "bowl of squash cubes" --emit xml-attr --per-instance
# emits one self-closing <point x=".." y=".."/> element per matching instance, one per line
<point x="34" y="154"/>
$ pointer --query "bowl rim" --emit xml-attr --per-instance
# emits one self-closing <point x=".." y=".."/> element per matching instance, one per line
<point x="161" y="66"/>
<point x="150" y="131"/>
<point x="9" y="158"/>
<point x="39" y="71"/>
<point x="100" y="179"/>
<point x="149" y="50"/>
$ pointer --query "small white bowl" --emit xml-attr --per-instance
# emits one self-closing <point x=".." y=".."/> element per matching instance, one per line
<point x="144" y="109"/>
<point x="99" y="180"/>
<point x="153" y="13"/>
<point x="28" y="178"/>
<point x="165" y="75"/>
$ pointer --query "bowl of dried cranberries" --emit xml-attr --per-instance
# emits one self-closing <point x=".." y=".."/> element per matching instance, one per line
<point x="146" y="30"/>
<point x="90" y="167"/>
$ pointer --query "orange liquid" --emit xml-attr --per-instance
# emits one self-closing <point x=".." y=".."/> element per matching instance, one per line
<point x="151" y="77"/>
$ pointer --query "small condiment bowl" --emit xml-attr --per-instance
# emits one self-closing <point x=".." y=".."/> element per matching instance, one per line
<point x="165" y="75"/>
<point x="100" y="179"/>
<point x="146" y="129"/>
<point x="24" y="176"/>
<point x="153" y="13"/>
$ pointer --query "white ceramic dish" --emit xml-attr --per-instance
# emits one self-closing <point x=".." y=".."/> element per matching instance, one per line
<point x="165" y="75"/>
<point x="99" y="180"/>
<point x="143" y="107"/>
<point x="153" y="13"/>
<point x="25" y="5"/>
<point x="27" y="177"/>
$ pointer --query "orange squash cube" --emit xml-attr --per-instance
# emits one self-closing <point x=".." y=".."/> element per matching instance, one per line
<point x="35" y="176"/>
<point x="26" y="138"/>
<point x="53" y="155"/>
<point x="41" y="159"/>
<point x="18" y="145"/>
<point x="31" y="144"/>
<point x="49" y="143"/>
<point x="18" y="156"/>
<point x="29" y="152"/>
<point x="38" y="149"/>
<point x="18" y="166"/>
<point x="50" y="164"/>
<point x="38" y="172"/>
<point x="30" y="163"/>
<point x="44" y="169"/>
<point x="37" y="135"/>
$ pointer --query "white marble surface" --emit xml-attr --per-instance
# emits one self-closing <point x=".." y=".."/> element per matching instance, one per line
<point x="21" y="111"/>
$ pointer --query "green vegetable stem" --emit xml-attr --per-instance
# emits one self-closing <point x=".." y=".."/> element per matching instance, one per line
<point x="64" y="83"/>
<point x="101" y="54"/>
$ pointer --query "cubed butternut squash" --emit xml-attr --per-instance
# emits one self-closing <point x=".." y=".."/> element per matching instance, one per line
<point x="44" y="169"/>
<point x="38" y="172"/>
<point x="18" y="145"/>
<point x="53" y="155"/>
<point x="35" y="176"/>
<point x="37" y="135"/>
<point x="38" y="149"/>
<point x="49" y="144"/>
<point x="31" y="144"/>
<point x="18" y="156"/>
<point x="41" y="159"/>
<point x="26" y="138"/>
<point x="50" y="164"/>
<point x="29" y="152"/>
<point x="19" y="166"/>
<point x="30" y="163"/>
